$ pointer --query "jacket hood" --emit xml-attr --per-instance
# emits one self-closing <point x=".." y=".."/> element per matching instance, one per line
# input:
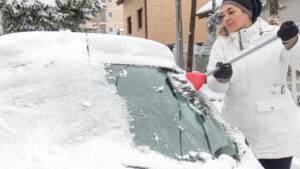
<point x="222" y="31"/>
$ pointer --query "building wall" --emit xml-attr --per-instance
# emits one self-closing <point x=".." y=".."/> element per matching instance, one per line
<point x="161" y="20"/>
<point x="130" y="8"/>
<point x="117" y="15"/>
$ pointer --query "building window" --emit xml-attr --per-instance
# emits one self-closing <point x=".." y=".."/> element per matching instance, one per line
<point x="140" y="18"/>
<point x="129" y="26"/>
<point x="102" y="17"/>
<point x="110" y="14"/>
<point x="110" y="29"/>
<point x="102" y="29"/>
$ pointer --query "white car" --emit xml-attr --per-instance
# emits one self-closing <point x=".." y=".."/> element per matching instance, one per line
<point x="90" y="101"/>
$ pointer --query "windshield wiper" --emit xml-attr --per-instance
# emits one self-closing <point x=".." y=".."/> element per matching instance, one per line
<point x="168" y="82"/>
<point x="180" y="116"/>
<point x="123" y="67"/>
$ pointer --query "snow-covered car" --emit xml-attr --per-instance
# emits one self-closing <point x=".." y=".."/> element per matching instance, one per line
<point x="87" y="101"/>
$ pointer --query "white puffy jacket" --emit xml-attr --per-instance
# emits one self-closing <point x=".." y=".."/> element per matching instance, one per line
<point x="257" y="100"/>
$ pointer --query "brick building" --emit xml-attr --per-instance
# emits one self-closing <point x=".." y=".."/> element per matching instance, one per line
<point x="109" y="20"/>
<point x="156" y="20"/>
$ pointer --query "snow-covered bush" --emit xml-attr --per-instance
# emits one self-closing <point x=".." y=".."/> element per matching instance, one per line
<point x="76" y="12"/>
<point x="213" y="20"/>
<point x="32" y="15"/>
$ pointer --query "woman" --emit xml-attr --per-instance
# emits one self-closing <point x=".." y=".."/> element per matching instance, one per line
<point x="257" y="100"/>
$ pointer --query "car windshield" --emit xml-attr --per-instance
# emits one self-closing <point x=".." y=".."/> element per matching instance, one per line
<point x="164" y="120"/>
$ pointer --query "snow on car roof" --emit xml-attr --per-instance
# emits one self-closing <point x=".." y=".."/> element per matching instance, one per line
<point x="94" y="47"/>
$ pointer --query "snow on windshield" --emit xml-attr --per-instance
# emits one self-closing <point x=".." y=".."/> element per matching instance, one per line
<point x="186" y="89"/>
<point x="57" y="111"/>
<point x="49" y="105"/>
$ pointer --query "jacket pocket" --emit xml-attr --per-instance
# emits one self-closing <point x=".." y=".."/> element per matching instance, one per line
<point x="272" y="122"/>
<point x="268" y="106"/>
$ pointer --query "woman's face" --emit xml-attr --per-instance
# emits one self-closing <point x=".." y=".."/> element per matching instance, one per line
<point x="234" y="18"/>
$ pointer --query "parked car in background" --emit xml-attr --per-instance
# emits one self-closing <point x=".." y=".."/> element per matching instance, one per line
<point x="85" y="101"/>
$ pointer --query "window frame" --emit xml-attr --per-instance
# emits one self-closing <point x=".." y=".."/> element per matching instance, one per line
<point x="110" y="29"/>
<point x="110" y="14"/>
<point x="129" y="25"/>
<point x="140" y="18"/>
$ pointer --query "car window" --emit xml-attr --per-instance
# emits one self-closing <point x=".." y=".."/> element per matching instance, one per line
<point x="164" y="120"/>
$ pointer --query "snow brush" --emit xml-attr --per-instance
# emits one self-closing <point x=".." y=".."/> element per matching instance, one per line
<point x="198" y="78"/>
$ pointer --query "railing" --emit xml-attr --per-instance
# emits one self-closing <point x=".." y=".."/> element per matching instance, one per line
<point x="294" y="84"/>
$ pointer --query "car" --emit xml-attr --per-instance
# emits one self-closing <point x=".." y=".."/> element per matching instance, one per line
<point x="87" y="100"/>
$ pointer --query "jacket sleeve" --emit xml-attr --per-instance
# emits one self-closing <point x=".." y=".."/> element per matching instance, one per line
<point x="294" y="53"/>
<point x="216" y="55"/>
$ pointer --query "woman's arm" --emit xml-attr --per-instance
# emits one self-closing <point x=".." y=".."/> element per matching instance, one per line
<point x="217" y="55"/>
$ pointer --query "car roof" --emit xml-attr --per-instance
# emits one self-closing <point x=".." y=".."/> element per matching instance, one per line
<point x="67" y="45"/>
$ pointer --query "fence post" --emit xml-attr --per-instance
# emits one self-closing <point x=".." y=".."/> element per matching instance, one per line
<point x="294" y="84"/>
<point x="179" y="40"/>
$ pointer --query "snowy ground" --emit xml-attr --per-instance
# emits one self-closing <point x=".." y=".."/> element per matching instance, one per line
<point x="217" y="101"/>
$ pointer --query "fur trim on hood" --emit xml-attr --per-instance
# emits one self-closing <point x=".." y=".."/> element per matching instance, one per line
<point x="222" y="31"/>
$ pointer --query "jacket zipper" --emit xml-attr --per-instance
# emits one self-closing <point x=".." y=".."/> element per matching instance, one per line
<point x="240" y="41"/>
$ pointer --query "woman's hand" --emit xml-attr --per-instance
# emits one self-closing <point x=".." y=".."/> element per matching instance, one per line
<point x="288" y="33"/>
<point x="223" y="72"/>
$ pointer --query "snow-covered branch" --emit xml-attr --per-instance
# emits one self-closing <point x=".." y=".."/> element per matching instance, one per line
<point x="47" y="15"/>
